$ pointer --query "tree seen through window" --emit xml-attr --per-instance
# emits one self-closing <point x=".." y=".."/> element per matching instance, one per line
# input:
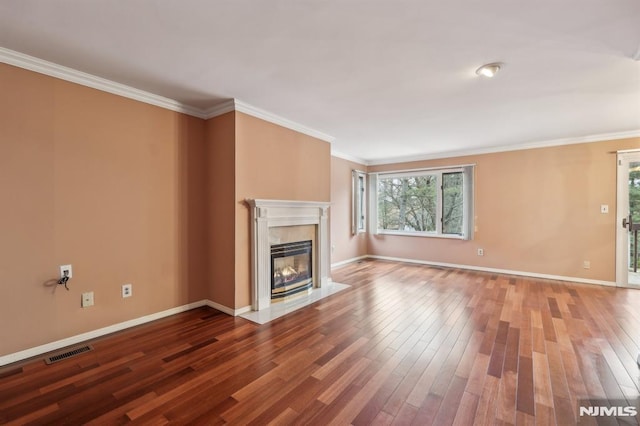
<point x="412" y="203"/>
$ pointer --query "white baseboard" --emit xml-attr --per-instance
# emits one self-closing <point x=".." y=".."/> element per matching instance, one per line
<point x="42" y="349"/>
<point x="242" y="311"/>
<point x="73" y="340"/>
<point x="226" y="309"/>
<point x="346" y="262"/>
<point x="498" y="271"/>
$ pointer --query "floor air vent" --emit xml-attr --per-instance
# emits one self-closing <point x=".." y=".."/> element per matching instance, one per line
<point x="67" y="354"/>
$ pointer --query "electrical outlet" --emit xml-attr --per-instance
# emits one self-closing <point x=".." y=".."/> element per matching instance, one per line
<point x="66" y="268"/>
<point x="586" y="264"/>
<point x="127" y="290"/>
<point x="87" y="299"/>
<point x="480" y="252"/>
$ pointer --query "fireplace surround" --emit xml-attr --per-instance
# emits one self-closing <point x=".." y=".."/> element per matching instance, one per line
<point x="268" y="214"/>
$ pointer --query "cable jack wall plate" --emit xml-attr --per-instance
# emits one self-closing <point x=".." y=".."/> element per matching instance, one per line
<point x="87" y="299"/>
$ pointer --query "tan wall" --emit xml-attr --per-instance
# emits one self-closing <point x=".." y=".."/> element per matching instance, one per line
<point x="344" y="245"/>
<point x="110" y="185"/>
<point x="536" y="211"/>
<point x="273" y="162"/>
<point x="220" y="208"/>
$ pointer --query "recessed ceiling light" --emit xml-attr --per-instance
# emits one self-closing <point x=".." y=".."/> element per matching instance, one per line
<point x="489" y="70"/>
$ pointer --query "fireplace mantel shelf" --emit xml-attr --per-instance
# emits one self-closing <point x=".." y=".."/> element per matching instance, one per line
<point x="267" y="214"/>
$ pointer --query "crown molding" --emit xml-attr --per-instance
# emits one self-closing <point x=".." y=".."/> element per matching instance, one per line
<point x="219" y="109"/>
<point x="348" y="157"/>
<point x="51" y="69"/>
<point x="237" y="105"/>
<point x="280" y="121"/>
<point x="41" y="66"/>
<point x="490" y="150"/>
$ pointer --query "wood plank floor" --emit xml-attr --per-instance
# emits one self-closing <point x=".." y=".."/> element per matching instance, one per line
<point x="407" y="344"/>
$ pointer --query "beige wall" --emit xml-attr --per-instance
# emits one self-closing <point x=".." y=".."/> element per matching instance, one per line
<point x="220" y="208"/>
<point x="130" y="193"/>
<point x="273" y="162"/>
<point x="536" y="210"/>
<point x="110" y="185"/>
<point x="344" y="245"/>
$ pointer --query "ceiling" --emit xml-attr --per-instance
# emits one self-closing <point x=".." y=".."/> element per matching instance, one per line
<point x="386" y="79"/>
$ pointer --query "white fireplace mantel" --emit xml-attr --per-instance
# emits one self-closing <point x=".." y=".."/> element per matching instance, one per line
<point x="267" y="214"/>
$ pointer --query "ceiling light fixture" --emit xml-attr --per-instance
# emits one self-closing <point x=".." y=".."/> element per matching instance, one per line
<point x="489" y="70"/>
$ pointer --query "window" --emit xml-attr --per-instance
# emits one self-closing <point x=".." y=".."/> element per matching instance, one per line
<point x="358" y="221"/>
<point x="434" y="202"/>
<point x="452" y="203"/>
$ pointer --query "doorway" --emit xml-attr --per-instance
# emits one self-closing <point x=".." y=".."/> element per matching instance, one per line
<point x="628" y="220"/>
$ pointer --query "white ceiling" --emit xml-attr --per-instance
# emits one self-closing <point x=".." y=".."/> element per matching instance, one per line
<point x="387" y="79"/>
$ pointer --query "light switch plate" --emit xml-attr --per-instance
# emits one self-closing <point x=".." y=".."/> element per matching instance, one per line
<point x="604" y="208"/>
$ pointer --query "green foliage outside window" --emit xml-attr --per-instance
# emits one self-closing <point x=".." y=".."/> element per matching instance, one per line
<point x="410" y="203"/>
<point x="452" y="203"/>
<point x="407" y="203"/>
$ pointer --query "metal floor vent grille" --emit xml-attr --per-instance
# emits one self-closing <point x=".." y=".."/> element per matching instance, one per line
<point x="67" y="354"/>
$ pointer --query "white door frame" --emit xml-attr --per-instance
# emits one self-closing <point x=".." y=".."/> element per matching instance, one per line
<point x="622" y="211"/>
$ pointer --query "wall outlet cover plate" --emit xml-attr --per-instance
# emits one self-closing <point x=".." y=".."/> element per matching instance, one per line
<point x="66" y="268"/>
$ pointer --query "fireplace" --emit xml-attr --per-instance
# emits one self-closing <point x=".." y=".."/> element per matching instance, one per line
<point x="276" y="222"/>
<point x="291" y="269"/>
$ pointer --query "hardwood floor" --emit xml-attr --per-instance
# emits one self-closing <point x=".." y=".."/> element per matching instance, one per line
<point x="407" y="344"/>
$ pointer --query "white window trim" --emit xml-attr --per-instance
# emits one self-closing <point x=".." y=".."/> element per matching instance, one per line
<point x="373" y="203"/>
<point x="468" y="171"/>
<point x="358" y="209"/>
<point x="421" y="234"/>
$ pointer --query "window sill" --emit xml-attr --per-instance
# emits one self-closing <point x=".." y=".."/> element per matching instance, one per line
<point x="423" y="234"/>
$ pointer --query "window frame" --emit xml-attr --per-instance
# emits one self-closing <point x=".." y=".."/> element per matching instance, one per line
<point x="468" y="199"/>
<point x="358" y="202"/>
